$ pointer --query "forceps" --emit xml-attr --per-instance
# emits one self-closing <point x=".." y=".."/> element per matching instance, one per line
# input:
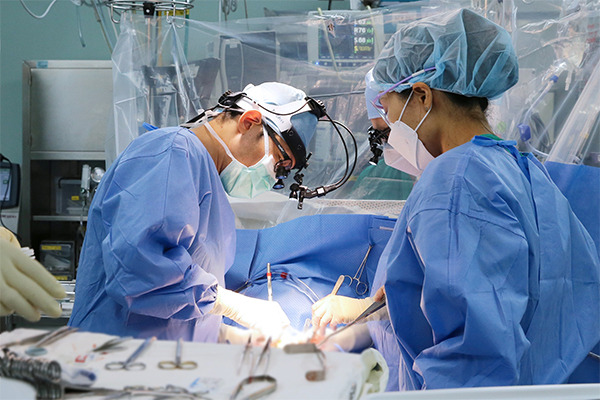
<point x="130" y="364"/>
<point x="246" y="354"/>
<point x="111" y="345"/>
<point x="178" y="364"/>
<point x="266" y="351"/>
<point x="361" y="287"/>
<point x="38" y="350"/>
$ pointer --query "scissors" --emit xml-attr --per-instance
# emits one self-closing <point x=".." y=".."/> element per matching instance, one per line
<point x="130" y="364"/>
<point x="361" y="287"/>
<point x="178" y="364"/>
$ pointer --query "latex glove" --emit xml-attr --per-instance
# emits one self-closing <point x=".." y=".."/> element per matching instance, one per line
<point x="267" y="317"/>
<point x="356" y="338"/>
<point x="380" y="294"/>
<point x="333" y="310"/>
<point x="234" y="335"/>
<point x="26" y="287"/>
<point x="8" y="235"/>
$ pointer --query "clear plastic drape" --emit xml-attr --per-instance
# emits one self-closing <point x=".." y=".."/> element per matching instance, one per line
<point x="557" y="57"/>
<point x="166" y="69"/>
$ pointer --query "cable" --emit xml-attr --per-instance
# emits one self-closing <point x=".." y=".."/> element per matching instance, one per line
<point x="79" y="25"/>
<point x="297" y="191"/>
<point x="37" y="16"/>
<point x="275" y="112"/>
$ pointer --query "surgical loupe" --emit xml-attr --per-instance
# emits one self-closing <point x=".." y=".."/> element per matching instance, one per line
<point x="279" y="122"/>
<point x="377" y="138"/>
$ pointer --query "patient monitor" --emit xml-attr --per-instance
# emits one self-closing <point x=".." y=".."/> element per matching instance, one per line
<point x="344" y="38"/>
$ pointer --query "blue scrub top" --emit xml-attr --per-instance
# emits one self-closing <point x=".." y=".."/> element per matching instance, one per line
<point x="490" y="278"/>
<point x="160" y="237"/>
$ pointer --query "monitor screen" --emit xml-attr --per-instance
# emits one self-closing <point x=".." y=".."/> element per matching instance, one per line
<point x="351" y="41"/>
<point x="350" y="38"/>
<point x="10" y="182"/>
<point x="252" y="57"/>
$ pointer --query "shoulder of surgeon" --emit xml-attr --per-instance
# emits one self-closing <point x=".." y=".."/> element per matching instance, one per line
<point x="159" y="141"/>
<point x="466" y="170"/>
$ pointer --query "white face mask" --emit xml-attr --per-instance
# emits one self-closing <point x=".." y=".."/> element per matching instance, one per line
<point x="393" y="159"/>
<point x="247" y="182"/>
<point x="411" y="155"/>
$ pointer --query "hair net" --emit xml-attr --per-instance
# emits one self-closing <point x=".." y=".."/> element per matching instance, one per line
<point x="286" y="98"/>
<point x="472" y="56"/>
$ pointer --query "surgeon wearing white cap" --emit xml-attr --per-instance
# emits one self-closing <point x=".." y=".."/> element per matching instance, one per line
<point x="161" y="232"/>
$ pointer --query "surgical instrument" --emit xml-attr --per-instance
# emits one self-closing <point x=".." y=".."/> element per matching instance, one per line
<point x="38" y="350"/>
<point x="266" y="351"/>
<point x="259" y="393"/>
<point x="372" y="309"/>
<point x="314" y="375"/>
<point x="162" y="392"/>
<point x="178" y="364"/>
<point x="336" y="287"/>
<point x="338" y="284"/>
<point x="247" y="353"/>
<point x="286" y="278"/>
<point x="269" y="283"/>
<point x="361" y="287"/>
<point x="130" y="364"/>
<point x="44" y="375"/>
<point x="112" y="345"/>
<point x="265" y="354"/>
<point x="29" y="340"/>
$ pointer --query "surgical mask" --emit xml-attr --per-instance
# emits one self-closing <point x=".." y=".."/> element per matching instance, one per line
<point x="395" y="160"/>
<point x="247" y="182"/>
<point x="405" y="141"/>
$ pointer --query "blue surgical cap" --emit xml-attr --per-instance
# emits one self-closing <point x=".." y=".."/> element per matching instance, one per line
<point x="473" y="56"/>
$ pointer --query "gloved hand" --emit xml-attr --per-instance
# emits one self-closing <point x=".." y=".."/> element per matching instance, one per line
<point x="333" y="310"/>
<point x="234" y="335"/>
<point x="267" y="317"/>
<point x="380" y="294"/>
<point x="8" y="235"/>
<point x="26" y="287"/>
<point x="356" y="339"/>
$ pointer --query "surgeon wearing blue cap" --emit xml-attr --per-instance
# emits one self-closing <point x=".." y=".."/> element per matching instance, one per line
<point x="489" y="277"/>
<point x="161" y="233"/>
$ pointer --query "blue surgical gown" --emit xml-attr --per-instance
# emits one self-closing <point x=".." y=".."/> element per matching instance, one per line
<point x="491" y="279"/>
<point x="382" y="335"/>
<point x="160" y="236"/>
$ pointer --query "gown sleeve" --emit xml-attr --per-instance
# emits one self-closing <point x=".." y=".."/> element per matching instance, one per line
<point x="152" y="213"/>
<point x="474" y="294"/>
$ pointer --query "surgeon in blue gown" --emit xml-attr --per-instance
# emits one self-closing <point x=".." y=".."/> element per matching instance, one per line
<point x="490" y="278"/>
<point x="161" y="232"/>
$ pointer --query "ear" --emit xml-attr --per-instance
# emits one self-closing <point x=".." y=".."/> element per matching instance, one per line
<point x="423" y="93"/>
<point x="249" y="119"/>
